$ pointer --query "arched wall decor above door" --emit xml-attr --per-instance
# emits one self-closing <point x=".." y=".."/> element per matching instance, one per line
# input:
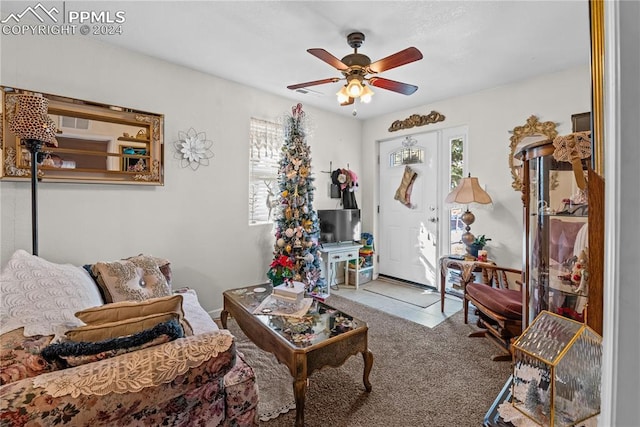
<point x="416" y="120"/>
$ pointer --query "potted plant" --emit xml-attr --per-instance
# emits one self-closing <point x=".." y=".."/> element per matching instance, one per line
<point x="478" y="243"/>
<point x="281" y="270"/>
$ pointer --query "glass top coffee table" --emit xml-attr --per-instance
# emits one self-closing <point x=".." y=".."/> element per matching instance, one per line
<point x="323" y="337"/>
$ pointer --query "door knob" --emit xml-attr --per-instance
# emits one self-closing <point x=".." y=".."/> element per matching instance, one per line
<point x="433" y="219"/>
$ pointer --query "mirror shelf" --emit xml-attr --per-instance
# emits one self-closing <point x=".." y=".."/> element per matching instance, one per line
<point x="97" y="143"/>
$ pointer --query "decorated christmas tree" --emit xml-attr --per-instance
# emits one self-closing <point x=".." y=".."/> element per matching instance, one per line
<point x="297" y="227"/>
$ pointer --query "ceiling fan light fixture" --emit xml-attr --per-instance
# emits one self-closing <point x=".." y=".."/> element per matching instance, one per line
<point x="366" y="94"/>
<point x="354" y="88"/>
<point x="356" y="69"/>
<point x="343" y="95"/>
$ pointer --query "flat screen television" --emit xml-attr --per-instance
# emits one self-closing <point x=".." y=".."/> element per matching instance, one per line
<point x="339" y="225"/>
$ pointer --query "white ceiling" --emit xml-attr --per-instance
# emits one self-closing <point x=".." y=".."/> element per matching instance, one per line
<point x="467" y="45"/>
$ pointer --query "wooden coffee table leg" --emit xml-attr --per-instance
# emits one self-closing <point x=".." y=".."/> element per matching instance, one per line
<point x="299" y="393"/>
<point x="368" y="364"/>
<point x="223" y="318"/>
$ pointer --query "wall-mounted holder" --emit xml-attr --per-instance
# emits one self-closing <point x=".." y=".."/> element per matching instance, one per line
<point x="334" y="188"/>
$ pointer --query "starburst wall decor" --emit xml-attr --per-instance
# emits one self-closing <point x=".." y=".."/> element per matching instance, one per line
<point x="193" y="149"/>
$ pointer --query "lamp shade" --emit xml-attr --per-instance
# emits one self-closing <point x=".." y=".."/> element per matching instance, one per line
<point x="343" y="95"/>
<point x="31" y="121"/>
<point x="354" y="88"/>
<point x="468" y="191"/>
<point x="366" y="95"/>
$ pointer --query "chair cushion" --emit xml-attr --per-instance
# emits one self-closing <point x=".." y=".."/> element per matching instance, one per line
<point x="506" y="302"/>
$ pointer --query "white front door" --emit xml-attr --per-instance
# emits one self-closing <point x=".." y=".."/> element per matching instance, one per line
<point x="408" y="244"/>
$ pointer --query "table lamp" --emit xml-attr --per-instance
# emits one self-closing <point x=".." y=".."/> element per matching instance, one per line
<point x="468" y="191"/>
<point x="35" y="128"/>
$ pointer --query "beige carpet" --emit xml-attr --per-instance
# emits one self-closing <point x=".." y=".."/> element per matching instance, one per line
<point x="421" y="377"/>
<point x="403" y="292"/>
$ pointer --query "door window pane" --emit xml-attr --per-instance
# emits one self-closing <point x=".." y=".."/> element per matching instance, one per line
<point x="456" y="226"/>
<point x="408" y="154"/>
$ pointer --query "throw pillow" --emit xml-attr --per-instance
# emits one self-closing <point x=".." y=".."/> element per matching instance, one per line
<point x="163" y="264"/>
<point x="73" y="353"/>
<point x="124" y="310"/>
<point x="43" y="296"/>
<point x="136" y="279"/>
<point x="122" y="328"/>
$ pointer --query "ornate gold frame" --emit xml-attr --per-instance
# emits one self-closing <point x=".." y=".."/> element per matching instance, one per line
<point x="532" y="127"/>
<point x="596" y="12"/>
<point x="150" y="129"/>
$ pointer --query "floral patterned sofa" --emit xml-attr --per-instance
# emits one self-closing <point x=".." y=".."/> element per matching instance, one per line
<point x="198" y="379"/>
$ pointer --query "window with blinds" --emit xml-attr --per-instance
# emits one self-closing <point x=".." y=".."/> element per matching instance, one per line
<point x="265" y="142"/>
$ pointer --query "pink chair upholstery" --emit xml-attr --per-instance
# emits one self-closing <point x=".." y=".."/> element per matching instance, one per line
<point x="498" y="304"/>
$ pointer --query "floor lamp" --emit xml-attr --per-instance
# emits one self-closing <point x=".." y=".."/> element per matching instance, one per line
<point x="468" y="191"/>
<point x="35" y="128"/>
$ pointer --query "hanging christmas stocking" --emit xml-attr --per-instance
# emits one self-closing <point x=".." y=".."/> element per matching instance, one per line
<point x="403" y="193"/>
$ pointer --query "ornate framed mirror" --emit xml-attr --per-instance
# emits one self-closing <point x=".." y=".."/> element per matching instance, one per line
<point x="96" y="143"/>
<point x="520" y="134"/>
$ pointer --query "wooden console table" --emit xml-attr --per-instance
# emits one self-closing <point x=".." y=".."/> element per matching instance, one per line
<point x="466" y="269"/>
<point x="339" y="252"/>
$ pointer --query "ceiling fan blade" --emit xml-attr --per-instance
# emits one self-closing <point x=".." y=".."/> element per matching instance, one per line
<point x="403" y="88"/>
<point x="349" y="102"/>
<point x="313" y="83"/>
<point x="328" y="58"/>
<point x="403" y="57"/>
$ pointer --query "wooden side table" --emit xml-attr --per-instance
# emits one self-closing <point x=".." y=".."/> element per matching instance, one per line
<point x="466" y="269"/>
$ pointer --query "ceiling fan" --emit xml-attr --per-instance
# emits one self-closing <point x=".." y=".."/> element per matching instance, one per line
<point x="356" y="69"/>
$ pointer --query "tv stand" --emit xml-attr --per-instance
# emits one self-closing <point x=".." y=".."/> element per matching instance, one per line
<point x="333" y="253"/>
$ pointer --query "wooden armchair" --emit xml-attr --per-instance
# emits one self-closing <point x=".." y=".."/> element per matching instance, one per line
<point x="499" y="305"/>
